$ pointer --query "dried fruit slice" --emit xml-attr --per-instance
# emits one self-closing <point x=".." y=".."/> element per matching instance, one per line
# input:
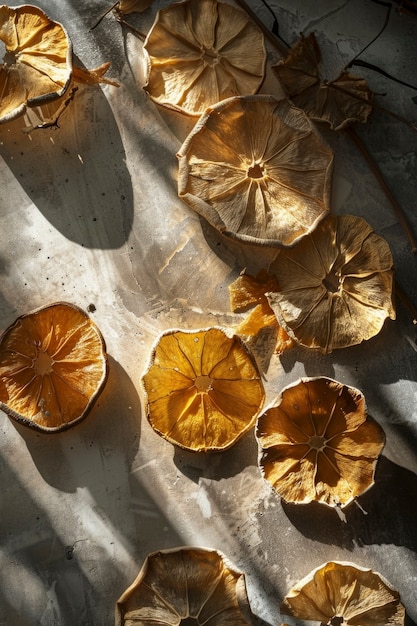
<point x="249" y="292"/>
<point x="317" y="443"/>
<point x="198" y="55"/>
<point x="204" y="389"/>
<point x="339" y="102"/>
<point x="185" y="585"/>
<point x="335" y="286"/>
<point x="53" y="366"/>
<point x="339" y="593"/>
<point x="256" y="170"/>
<point x="38" y="62"/>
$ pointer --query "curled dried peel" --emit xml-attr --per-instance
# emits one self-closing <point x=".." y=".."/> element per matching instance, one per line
<point x="256" y="170"/>
<point x="249" y="292"/>
<point x="174" y="585"/>
<point x="339" y="102"/>
<point x="204" y="390"/>
<point x="344" y="593"/>
<point x="318" y="444"/>
<point x="53" y="366"/>
<point x="198" y="55"/>
<point x="38" y="63"/>
<point x="335" y="286"/>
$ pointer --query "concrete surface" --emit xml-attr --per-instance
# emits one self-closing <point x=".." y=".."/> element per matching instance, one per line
<point x="90" y="215"/>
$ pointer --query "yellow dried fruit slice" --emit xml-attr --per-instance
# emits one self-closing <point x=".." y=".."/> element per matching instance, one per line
<point x="339" y="102"/>
<point x="339" y="593"/>
<point x="317" y="443"/>
<point x="250" y="291"/>
<point x="256" y="170"/>
<point x="183" y="586"/>
<point x="335" y="285"/>
<point x="204" y="389"/>
<point x="53" y="366"/>
<point x="198" y="55"/>
<point x="38" y="62"/>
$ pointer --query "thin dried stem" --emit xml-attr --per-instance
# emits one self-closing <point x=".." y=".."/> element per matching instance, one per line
<point x="101" y="18"/>
<point x="400" y="215"/>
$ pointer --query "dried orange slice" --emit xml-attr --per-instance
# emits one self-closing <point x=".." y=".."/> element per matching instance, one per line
<point x="38" y="62"/>
<point x="250" y="292"/>
<point x="198" y="55"/>
<point x="53" y="365"/>
<point x="335" y="285"/>
<point x="204" y="389"/>
<point x="339" y="102"/>
<point x="185" y="586"/>
<point x="256" y="170"/>
<point x="317" y="443"/>
<point x="339" y="593"/>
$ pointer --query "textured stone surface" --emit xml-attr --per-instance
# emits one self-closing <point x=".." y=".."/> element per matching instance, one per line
<point x="90" y="214"/>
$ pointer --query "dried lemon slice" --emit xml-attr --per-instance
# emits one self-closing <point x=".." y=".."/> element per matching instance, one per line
<point x="317" y="443"/>
<point x="250" y="292"/>
<point x="183" y="586"/>
<point x="339" y="102"/>
<point x="256" y="170"/>
<point x="339" y="593"/>
<point x="198" y="55"/>
<point x="53" y="365"/>
<point x="38" y="62"/>
<point x="204" y="389"/>
<point x="335" y="286"/>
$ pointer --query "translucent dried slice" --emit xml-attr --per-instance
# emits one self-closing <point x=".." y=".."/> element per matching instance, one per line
<point x="174" y="586"/>
<point x="335" y="286"/>
<point x="339" y="593"/>
<point x="256" y="170"/>
<point x="317" y="443"/>
<point x="38" y="62"/>
<point x="198" y="55"/>
<point x="204" y="389"/>
<point x="339" y="102"/>
<point x="53" y="366"/>
<point x="248" y="292"/>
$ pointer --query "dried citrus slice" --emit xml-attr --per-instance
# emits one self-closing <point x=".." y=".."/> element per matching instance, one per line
<point x="183" y="586"/>
<point x="204" y="389"/>
<point x="339" y="593"/>
<point x="339" y="102"/>
<point x="198" y="55"/>
<point x="256" y="170"/>
<point x="53" y="365"/>
<point x="38" y="62"/>
<point x="335" y="286"/>
<point x="250" y="292"/>
<point x="317" y="443"/>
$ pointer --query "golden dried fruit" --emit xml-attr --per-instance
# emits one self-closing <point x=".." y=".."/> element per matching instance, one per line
<point x="249" y="291"/>
<point x="184" y="585"/>
<point x="339" y="102"/>
<point x="335" y="285"/>
<point x="53" y="366"/>
<point x="198" y="55"/>
<point x="317" y="443"/>
<point x="256" y="170"/>
<point x="38" y="62"/>
<point x="204" y="390"/>
<point x="339" y="593"/>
